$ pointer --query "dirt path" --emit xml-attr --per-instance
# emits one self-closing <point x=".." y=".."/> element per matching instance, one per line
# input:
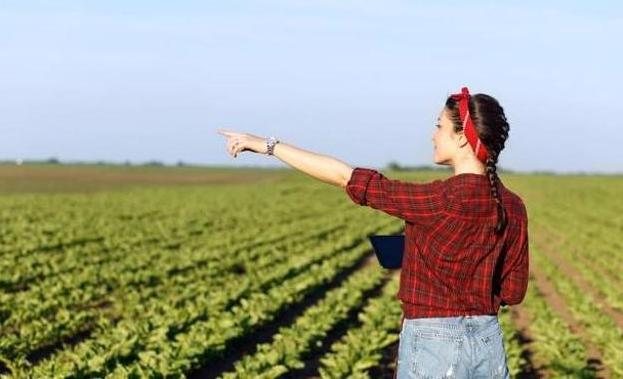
<point x="534" y="368"/>
<point x="548" y="243"/>
<point x="546" y="288"/>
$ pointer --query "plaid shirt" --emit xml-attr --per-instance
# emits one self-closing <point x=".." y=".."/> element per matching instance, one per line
<point x="453" y="263"/>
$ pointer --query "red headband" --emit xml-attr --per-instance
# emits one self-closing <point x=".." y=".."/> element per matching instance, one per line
<point x="468" y="126"/>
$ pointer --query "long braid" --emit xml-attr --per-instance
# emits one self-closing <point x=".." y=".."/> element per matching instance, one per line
<point x="494" y="140"/>
<point x="494" y="181"/>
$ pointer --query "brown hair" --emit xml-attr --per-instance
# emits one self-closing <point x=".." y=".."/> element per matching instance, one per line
<point x="492" y="128"/>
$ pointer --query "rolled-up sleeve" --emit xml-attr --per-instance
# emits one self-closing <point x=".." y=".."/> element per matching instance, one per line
<point x="413" y="202"/>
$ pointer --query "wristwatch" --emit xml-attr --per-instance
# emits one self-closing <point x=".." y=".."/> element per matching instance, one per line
<point x="270" y="145"/>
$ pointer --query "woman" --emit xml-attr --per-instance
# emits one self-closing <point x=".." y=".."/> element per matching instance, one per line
<point x="466" y="239"/>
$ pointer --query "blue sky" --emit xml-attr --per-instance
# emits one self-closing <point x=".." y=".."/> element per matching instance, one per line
<point x="360" y="81"/>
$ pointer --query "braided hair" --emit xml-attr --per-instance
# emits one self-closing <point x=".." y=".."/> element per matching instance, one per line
<point x="492" y="127"/>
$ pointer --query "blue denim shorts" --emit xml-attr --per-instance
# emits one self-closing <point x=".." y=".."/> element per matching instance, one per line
<point x="452" y="347"/>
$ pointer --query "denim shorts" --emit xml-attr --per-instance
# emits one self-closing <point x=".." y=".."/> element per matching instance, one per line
<point x="452" y="347"/>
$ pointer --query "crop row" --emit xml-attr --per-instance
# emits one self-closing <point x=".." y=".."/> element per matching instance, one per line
<point x="172" y="321"/>
<point x="289" y="346"/>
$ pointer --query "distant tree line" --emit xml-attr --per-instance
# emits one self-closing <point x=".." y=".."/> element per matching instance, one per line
<point x="395" y="166"/>
<point x="56" y="161"/>
<point x="392" y="165"/>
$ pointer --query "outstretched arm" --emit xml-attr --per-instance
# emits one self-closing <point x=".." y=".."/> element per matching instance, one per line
<point x="320" y="166"/>
<point x="420" y="203"/>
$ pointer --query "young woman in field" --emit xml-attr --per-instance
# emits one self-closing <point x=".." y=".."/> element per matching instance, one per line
<point x="466" y="239"/>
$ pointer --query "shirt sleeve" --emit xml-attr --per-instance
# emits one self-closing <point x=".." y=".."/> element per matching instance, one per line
<point x="514" y="281"/>
<point x="414" y="202"/>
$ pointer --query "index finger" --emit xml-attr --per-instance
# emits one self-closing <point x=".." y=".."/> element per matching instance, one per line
<point x="223" y="132"/>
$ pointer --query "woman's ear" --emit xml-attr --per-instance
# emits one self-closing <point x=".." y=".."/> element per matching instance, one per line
<point x="461" y="139"/>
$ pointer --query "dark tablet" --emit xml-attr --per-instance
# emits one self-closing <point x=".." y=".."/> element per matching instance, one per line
<point x="388" y="249"/>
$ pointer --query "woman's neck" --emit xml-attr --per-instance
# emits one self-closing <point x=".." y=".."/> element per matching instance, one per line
<point x="473" y="166"/>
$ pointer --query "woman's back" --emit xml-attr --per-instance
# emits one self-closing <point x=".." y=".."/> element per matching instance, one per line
<point x="459" y="256"/>
<point x="454" y="263"/>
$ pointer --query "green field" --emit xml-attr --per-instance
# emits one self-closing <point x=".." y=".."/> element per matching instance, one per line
<point x="246" y="273"/>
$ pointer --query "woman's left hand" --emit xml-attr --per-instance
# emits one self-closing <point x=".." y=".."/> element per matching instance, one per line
<point x="239" y="142"/>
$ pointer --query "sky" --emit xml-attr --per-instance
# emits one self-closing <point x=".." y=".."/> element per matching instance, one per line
<point x="360" y="81"/>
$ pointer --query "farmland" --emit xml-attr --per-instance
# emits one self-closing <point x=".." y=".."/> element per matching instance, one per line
<point x="236" y="273"/>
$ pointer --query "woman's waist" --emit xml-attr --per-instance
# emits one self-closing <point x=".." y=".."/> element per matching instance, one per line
<point x="484" y="324"/>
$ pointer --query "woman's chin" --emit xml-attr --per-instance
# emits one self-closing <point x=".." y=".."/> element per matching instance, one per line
<point x="439" y="161"/>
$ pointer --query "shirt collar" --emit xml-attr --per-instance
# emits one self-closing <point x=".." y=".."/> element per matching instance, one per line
<point x="469" y="178"/>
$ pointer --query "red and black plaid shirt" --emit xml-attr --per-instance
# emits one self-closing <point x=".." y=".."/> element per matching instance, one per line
<point x="453" y="263"/>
